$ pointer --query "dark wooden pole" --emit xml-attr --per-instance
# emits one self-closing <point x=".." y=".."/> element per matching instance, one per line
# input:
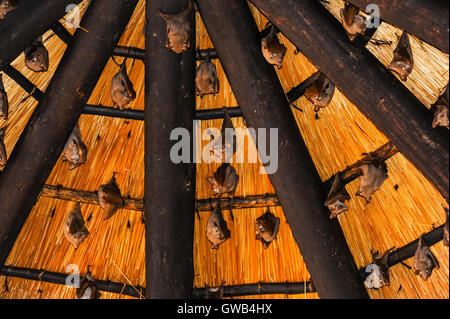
<point x="366" y="82"/>
<point x="297" y="183"/>
<point x="428" y="20"/>
<point x="26" y="23"/>
<point x="43" y="139"/>
<point x="169" y="187"/>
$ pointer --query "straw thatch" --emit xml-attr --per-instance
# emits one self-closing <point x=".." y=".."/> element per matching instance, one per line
<point x="115" y="248"/>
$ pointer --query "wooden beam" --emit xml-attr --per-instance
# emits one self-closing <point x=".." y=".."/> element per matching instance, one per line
<point x="23" y="25"/>
<point x="108" y="111"/>
<point x="365" y="81"/>
<point x="169" y="187"/>
<point x="20" y="79"/>
<point x="259" y="93"/>
<point x="53" y="120"/>
<point x="428" y="20"/>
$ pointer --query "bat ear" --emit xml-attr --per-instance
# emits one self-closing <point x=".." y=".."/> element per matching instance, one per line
<point x="166" y="17"/>
<point x="416" y="272"/>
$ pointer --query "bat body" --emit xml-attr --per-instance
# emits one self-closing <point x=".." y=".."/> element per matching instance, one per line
<point x="75" y="228"/>
<point x="380" y="277"/>
<point x="337" y="197"/>
<point x="122" y="91"/>
<point x="225" y="146"/>
<point x="266" y="228"/>
<point x="36" y="56"/>
<point x="403" y="61"/>
<point x="353" y="23"/>
<point x="206" y="81"/>
<point x="217" y="230"/>
<point x="4" y="106"/>
<point x="319" y="91"/>
<point x="440" y="109"/>
<point x="178" y="30"/>
<point x="272" y="49"/>
<point x="88" y="288"/>
<point x="445" y="239"/>
<point x="424" y="260"/>
<point x="224" y="180"/>
<point x="75" y="152"/>
<point x="3" y="155"/>
<point x="214" y="292"/>
<point x="374" y="173"/>
<point x="7" y="6"/>
<point x="109" y="198"/>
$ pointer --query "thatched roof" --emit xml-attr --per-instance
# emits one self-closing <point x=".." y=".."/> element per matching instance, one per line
<point x="115" y="248"/>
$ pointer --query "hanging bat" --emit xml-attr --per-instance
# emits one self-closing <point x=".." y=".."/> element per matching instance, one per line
<point x="122" y="91"/>
<point x="4" y="106"/>
<point x="109" y="198"/>
<point x="88" y="288"/>
<point x="75" y="228"/>
<point x="440" y="109"/>
<point x="224" y="180"/>
<point x="266" y="228"/>
<point x="337" y="197"/>
<point x="403" y="61"/>
<point x="214" y="292"/>
<point x="352" y="21"/>
<point x="217" y="230"/>
<point x="225" y="146"/>
<point x="36" y="56"/>
<point x="178" y="29"/>
<point x="374" y="173"/>
<point x="379" y="277"/>
<point x="445" y="239"/>
<point x="3" y="156"/>
<point x="272" y="49"/>
<point x="319" y="91"/>
<point x="75" y="152"/>
<point x="424" y="260"/>
<point x="206" y="81"/>
<point x="7" y="6"/>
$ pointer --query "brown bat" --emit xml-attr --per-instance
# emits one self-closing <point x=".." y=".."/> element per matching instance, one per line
<point x="178" y="29"/>
<point x="272" y="49"/>
<point x="3" y="155"/>
<point x="380" y="277"/>
<point x="266" y="228"/>
<point x="214" y="292"/>
<point x="445" y="239"/>
<point x="225" y="146"/>
<point x="374" y="173"/>
<point x="224" y="180"/>
<point x="36" y="56"/>
<point x="75" y="152"/>
<point x="4" y="106"/>
<point x="206" y="81"/>
<point x="217" y="230"/>
<point x="440" y="109"/>
<point x="7" y="6"/>
<point x="352" y="21"/>
<point x="109" y="198"/>
<point x="424" y="260"/>
<point x="319" y="90"/>
<point x="75" y="228"/>
<point x="403" y="61"/>
<point x="337" y="197"/>
<point x="88" y="288"/>
<point x="122" y="91"/>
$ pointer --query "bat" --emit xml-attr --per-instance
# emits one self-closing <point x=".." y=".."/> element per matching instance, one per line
<point x="217" y="231"/>
<point x="75" y="152"/>
<point x="266" y="228"/>
<point x="206" y="81"/>
<point x="403" y="62"/>
<point x="7" y="6"/>
<point x="4" y="106"/>
<point x="337" y="197"/>
<point x="3" y="155"/>
<point x="353" y="23"/>
<point x="178" y="29"/>
<point x="75" y="228"/>
<point x="374" y="173"/>
<point x="272" y="49"/>
<point x="109" y="198"/>
<point x="214" y="292"/>
<point x="225" y="146"/>
<point x="424" y="260"/>
<point x="224" y="180"/>
<point x="88" y="288"/>
<point x="36" y="56"/>
<point x="319" y="90"/>
<point x="122" y="91"/>
<point x="440" y="108"/>
<point x="380" y="277"/>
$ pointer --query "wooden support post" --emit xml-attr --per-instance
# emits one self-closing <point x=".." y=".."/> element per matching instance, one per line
<point x="23" y="25"/>
<point x="264" y="105"/>
<point x="366" y="82"/>
<point x="53" y="120"/>
<point x="428" y="20"/>
<point x="169" y="187"/>
<point x="101" y="110"/>
<point x="20" y="79"/>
